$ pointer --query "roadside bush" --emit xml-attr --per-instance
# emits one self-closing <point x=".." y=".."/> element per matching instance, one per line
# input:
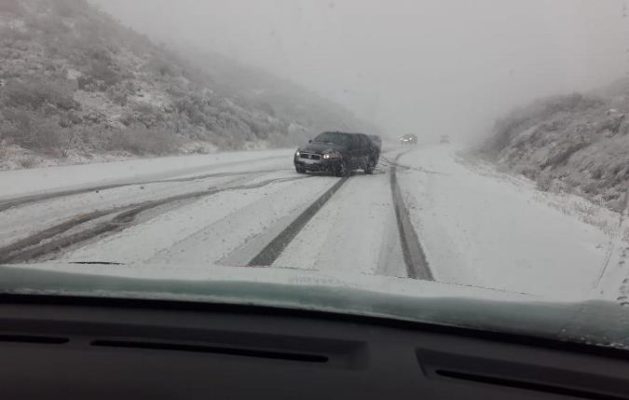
<point x="27" y="162"/>
<point x="140" y="141"/>
<point x="544" y="182"/>
<point x="32" y="131"/>
<point x="145" y="115"/>
<point x="4" y="153"/>
<point x="102" y="72"/>
<point x="161" y="67"/>
<point x="5" y="126"/>
<point x="118" y="95"/>
<point x="35" y="94"/>
<point x="97" y="53"/>
<point x="99" y="78"/>
<point x="228" y="141"/>
<point x="561" y="155"/>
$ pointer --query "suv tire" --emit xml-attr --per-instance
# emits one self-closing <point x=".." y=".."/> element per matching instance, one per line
<point x="341" y="169"/>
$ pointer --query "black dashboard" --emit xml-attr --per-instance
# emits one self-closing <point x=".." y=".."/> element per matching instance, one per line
<point x="84" y="348"/>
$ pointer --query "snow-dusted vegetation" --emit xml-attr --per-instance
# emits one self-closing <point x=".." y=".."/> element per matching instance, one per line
<point x="75" y="85"/>
<point x="575" y="143"/>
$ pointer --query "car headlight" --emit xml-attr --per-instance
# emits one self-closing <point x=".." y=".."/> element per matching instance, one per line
<point x="298" y="153"/>
<point x="331" y="155"/>
<point x="327" y="156"/>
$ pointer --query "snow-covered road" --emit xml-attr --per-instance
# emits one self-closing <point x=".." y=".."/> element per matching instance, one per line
<point x="473" y="225"/>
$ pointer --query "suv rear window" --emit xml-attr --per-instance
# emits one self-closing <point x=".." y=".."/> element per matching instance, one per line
<point x="334" y="137"/>
<point x="364" y="141"/>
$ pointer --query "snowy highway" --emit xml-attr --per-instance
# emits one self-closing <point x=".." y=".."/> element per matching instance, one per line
<point x="426" y="214"/>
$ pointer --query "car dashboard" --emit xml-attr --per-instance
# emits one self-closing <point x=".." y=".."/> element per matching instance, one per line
<point x="56" y="347"/>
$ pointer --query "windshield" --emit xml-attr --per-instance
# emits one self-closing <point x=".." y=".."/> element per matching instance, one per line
<point x="163" y="141"/>
<point x="333" y="137"/>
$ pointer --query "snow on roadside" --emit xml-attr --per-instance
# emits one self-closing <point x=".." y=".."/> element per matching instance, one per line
<point x="20" y="222"/>
<point x="569" y="204"/>
<point x="480" y="229"/>
<point x="40" y="180"/>
<point x="612" y="282"/>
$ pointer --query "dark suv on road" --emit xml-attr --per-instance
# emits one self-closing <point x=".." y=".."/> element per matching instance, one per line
<point x="337" y="153"/>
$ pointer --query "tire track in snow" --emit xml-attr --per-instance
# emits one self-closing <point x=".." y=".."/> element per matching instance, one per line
<point x="416" y="263"/>
<point x="25" y="200"/>
<point x="388" y="163"/>
<point x="274" y="249"/>
<point x="414" y="257"/>
<point x="45" y="242"/>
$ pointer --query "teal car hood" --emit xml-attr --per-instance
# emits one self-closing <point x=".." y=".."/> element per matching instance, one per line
<point x="593" y="322"/>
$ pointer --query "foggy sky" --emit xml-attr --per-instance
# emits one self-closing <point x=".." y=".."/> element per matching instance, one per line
<point x="424" y="66"/>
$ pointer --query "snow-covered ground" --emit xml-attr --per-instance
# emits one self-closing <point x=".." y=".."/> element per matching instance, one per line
<point x="32" y="181"/>
<point x="355" y="231"/>
<point x="484" y="228"/>
<point x="477" y="227"/>
<point x="206" y="230"/>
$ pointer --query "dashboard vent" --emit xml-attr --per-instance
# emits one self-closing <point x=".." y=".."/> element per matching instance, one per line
<point x="521" y="374"/>
<point x="33" y="339"/>
<point x="195" y="348"/>
<point x="523" y="385"/>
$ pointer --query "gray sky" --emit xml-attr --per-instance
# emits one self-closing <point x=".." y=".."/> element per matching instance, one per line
<point x="427" y="66"/>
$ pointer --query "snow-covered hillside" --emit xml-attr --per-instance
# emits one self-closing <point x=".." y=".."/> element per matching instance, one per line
<point x="576" y="143"/>
<point x="75" y="85"/>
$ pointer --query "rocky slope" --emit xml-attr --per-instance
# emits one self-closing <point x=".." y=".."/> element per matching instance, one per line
<point x="75" y="85"/>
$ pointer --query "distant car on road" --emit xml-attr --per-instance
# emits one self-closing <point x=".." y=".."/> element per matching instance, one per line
<point x="337" y="153"/>
<point x="445" y="139"/>
<point x="408" y="139"/>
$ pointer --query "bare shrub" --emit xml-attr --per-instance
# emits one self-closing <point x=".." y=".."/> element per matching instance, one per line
<point x="35" y="94"/>
<point x="161" y="67"/>
<point x="102" y="72"/>
<point x="118" y="94"/>
<point x="98" y="66"/>
<point x="4" y="144"/>
<point x="144" y="114"/>
<point x="140" y="140"/>
<point x="225" y="140"/>
<point x="562" y="155"/>
<point x="544" y="182"/>
<point x="27" y="162"/>
<point x="199" y="150"/>
<point x="32" y="131"/>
